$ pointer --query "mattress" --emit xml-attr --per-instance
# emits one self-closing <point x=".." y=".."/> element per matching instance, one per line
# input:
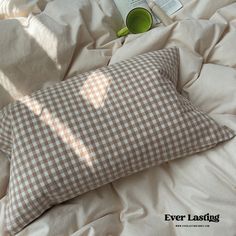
<point x="82" y="37"/>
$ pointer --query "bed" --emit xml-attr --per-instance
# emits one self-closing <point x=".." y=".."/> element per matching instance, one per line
<point x="50" y="41"/>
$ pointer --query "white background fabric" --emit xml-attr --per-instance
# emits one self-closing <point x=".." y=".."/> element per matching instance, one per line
<point x="205" y="183"/>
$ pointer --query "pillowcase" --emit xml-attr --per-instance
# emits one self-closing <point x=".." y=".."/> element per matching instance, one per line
<point x="93" y="129"/>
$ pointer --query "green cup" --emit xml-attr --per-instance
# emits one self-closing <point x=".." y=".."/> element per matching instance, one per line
<point x="138" y="20"/>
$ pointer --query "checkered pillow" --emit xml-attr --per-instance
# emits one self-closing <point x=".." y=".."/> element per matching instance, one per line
<point x="100" y="126"/>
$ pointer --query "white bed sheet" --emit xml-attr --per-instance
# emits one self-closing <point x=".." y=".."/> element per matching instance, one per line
<point x="205" y="32"/>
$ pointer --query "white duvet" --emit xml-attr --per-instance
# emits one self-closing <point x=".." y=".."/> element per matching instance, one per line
<point x="63" y="38"/>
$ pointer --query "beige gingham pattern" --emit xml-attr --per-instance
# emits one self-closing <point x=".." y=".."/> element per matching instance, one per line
<point x="102" y="125"/>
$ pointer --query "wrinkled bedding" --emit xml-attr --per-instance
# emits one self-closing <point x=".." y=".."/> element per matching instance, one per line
<point x="58" y="39"/>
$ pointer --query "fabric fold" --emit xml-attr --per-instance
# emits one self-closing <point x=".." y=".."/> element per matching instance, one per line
<point x="5" y="131"/>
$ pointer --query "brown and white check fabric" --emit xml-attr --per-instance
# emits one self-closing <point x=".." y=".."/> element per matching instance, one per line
<point x="102" y="125"/>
